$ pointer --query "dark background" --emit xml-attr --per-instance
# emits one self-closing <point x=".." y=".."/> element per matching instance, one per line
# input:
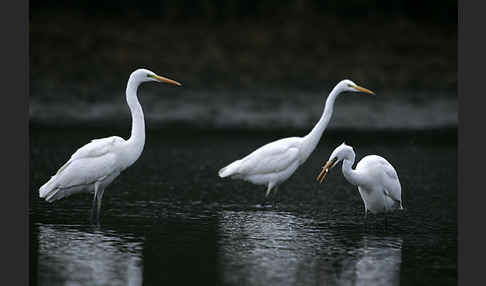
<point x="273" y="61"/>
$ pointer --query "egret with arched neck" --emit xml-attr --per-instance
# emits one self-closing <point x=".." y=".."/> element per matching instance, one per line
<point x="377" y="180"/>
<point x="95" y="165"/>
<point x="275" y="162"/>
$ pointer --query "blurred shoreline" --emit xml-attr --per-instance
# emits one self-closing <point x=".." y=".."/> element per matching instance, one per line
<point x="253" y="110"/>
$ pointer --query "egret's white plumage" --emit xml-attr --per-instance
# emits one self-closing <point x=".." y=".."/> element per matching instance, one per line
<point x="95" y="165"/>
<point x="275" y="162"/>
<point x="375" y="177"/>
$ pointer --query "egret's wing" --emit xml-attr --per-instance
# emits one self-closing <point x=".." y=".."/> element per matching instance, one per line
<point x="96" y="148"/>
<point x="391" y="181"/>
<point x="78" y="174"/>
<point x="272" y="157"/>
<point x="88" y="170"/>
<point x="390" y="171"/>
<point x="93" y="162"/>
<point x="82" y="173"/>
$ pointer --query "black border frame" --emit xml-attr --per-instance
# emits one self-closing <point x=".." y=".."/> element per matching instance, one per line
<point x="15" y="144"/>
<point x="471" y="197"/>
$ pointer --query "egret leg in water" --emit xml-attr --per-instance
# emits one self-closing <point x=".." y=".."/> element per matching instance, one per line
<point x="93" y="207"/>
<point x="98" y="204"/>
<point x="275" y="196"/>
<point x="267" y="193"/>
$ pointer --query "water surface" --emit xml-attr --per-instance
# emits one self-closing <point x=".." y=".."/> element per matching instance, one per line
<point x="169" y="219"/>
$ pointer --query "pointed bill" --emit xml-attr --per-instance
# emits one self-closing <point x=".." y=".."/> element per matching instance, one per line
<point x="322" y="175"/>
<point x="166" y="80"/>
<point x="362" y="89"/>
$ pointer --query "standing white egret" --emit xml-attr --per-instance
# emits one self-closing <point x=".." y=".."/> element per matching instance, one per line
<point x="377" y="180"/>
<point x="95" y="165"/>
<point x="276" y="161"/>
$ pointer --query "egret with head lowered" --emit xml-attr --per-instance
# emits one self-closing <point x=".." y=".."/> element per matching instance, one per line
<point x="377" y="180"/>
<point x="95" y="165"/>
<point x="275" y="162"/>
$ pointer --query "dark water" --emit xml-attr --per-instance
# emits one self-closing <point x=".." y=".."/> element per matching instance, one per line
<point x="169" y="220"/>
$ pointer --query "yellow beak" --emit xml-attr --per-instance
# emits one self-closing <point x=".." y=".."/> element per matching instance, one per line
<point x="325" y="170"/>
<point x="166" y="80"/>
<point x="362" y="89"/>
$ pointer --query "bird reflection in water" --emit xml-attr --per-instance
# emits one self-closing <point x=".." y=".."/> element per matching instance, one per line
<point x="71" y="256"/>
<point x="376" y="262"/>
<point x="263" y="248"/>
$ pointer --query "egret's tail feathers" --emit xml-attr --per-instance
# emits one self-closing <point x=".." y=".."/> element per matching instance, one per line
<point x="48" y="189"/>
<point x="60" y="193"/>
<point x="53" y="195"/>
<point x="52" y="191"/>
<point x="229" y="170"/>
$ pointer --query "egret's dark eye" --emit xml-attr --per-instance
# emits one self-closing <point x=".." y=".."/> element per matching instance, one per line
<point x="148" y="75"/>
<point x="350" y="85"/>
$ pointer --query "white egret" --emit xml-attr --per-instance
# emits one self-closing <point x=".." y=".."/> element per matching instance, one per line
<point x="95" y="165"/>
<point x="275" y="162"/>
<point x="377" y="180"/>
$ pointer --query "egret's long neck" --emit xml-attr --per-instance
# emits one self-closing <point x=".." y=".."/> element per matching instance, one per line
<point x="351" y="175"/>
<point x="312" y="139"/>
<point x="137" y="137"/>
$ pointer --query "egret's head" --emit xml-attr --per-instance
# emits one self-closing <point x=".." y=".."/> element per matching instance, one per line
<point x="342" y="152"/>
<point x="143" y="75"/>
<point x="348" y="85"/>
